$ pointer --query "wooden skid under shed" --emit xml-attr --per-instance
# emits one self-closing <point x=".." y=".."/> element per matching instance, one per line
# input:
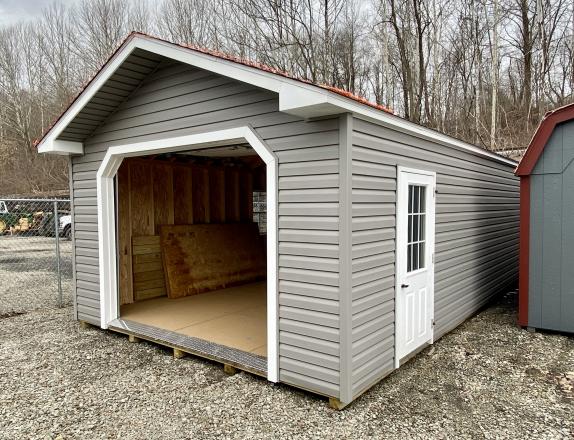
<point x="238" y="359"/>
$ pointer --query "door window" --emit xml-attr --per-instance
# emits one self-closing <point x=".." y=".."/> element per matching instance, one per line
<point x="416" y="228"/>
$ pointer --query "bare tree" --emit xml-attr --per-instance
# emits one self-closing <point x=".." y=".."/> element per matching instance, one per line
<point x="100" y="26"/>
<point x="481" y="70"/>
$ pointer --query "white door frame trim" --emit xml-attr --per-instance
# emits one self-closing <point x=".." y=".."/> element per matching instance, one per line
<point x="400" y="251"/>
<point x="107" y="245"/>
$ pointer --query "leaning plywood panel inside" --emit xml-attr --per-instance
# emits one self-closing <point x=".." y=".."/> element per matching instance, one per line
<point x="476" y="251"/>
<point x="178" y="100"/>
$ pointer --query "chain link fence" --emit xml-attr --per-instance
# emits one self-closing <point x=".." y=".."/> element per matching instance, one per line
<point x="35" y="254"/>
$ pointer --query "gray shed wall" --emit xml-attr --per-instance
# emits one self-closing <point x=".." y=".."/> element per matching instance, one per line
<point x="177" y="100"/>
<point x="476" y="250"/>
<point x="551" y="278"/>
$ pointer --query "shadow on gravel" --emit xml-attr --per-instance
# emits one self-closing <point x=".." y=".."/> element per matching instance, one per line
<point x="11" y="314"/>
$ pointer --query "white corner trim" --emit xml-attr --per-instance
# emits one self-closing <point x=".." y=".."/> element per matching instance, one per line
<point x="107" y="245"/>
<point x="295" y="97"/>
<point x="58" y="146"/>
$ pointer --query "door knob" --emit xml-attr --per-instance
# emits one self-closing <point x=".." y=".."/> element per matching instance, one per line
<point x="404" y="286"/>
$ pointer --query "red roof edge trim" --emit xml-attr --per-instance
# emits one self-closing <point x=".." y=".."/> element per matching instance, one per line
<point x="541" y="136"/>
<point x="217" y="54"/>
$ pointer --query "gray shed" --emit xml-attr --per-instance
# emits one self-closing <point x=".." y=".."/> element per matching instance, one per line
<point x="546" y="292"/>
<point x="280" y="227"/>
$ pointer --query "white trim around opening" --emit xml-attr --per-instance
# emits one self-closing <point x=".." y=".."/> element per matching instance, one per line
<point x="107" y="244"/>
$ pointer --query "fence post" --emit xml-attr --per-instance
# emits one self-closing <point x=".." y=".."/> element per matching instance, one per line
<point x="57" y="237"/>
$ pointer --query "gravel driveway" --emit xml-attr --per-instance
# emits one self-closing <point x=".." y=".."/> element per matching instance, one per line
<point x="28" y="278"/>
<point x="486" y="379"/>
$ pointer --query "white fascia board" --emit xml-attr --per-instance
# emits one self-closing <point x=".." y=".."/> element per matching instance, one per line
<point x="231" y="69"/>
<point x="57" y="146"/>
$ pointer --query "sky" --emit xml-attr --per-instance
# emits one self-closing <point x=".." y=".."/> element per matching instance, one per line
<point x="13" y="11"/>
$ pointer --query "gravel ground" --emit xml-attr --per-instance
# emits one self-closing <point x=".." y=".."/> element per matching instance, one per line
<point x="28" y="278"/>
<point x="487" y="379"/>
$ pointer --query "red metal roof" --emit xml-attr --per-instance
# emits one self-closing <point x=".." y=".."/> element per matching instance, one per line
<point x="541" y="136"/>
<point x="223" y="56"/>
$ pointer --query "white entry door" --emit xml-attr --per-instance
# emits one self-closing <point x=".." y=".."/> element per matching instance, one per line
<point x="414" y="297"/>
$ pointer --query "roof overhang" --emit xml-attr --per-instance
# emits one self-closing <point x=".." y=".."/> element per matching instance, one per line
<point x="58" y="146"/>
<point x="541" y="137"/>
<point x="296" y="97"/>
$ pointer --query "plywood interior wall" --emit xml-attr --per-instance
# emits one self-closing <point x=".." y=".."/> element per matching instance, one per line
<point x="178" y="191"/>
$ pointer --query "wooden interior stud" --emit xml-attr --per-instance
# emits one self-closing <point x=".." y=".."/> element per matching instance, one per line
<point x="217" y="195"/>
<point x="133" y="339"/>
<point x="163" y="196"/>
<point x="125" y="283"/>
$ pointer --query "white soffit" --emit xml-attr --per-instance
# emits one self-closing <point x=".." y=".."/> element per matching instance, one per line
<point x="295" y="97"/>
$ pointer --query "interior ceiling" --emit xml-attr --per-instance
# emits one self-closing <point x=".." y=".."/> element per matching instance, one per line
<point x="230" y="155"/>
<point x="224" y="151"/>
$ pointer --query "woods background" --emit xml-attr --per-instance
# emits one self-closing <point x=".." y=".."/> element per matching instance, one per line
<point x="484" y="71"/>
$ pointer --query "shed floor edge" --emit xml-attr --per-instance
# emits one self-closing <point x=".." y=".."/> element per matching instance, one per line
<point x="239" y="359"/>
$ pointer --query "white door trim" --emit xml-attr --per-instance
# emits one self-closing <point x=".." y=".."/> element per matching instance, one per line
<point x="400" y="251"/>
<point x="107" y="245"/>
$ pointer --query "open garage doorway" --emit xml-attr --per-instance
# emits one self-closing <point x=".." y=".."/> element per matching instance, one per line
<point x="193" y="248"/>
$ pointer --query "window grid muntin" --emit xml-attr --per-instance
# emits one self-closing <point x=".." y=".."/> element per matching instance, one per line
<point x="416" y="235"/>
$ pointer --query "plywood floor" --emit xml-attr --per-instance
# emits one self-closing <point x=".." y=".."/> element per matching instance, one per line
<point x="235" y="317"/>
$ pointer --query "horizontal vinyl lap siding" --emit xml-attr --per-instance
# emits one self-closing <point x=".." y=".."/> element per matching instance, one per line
<point x="309" y="263"/>
<point x="373" y="254"/>
<point x="177" y="101"/>
<point x="476" y="251"/>
<point x="86" y="242"/>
